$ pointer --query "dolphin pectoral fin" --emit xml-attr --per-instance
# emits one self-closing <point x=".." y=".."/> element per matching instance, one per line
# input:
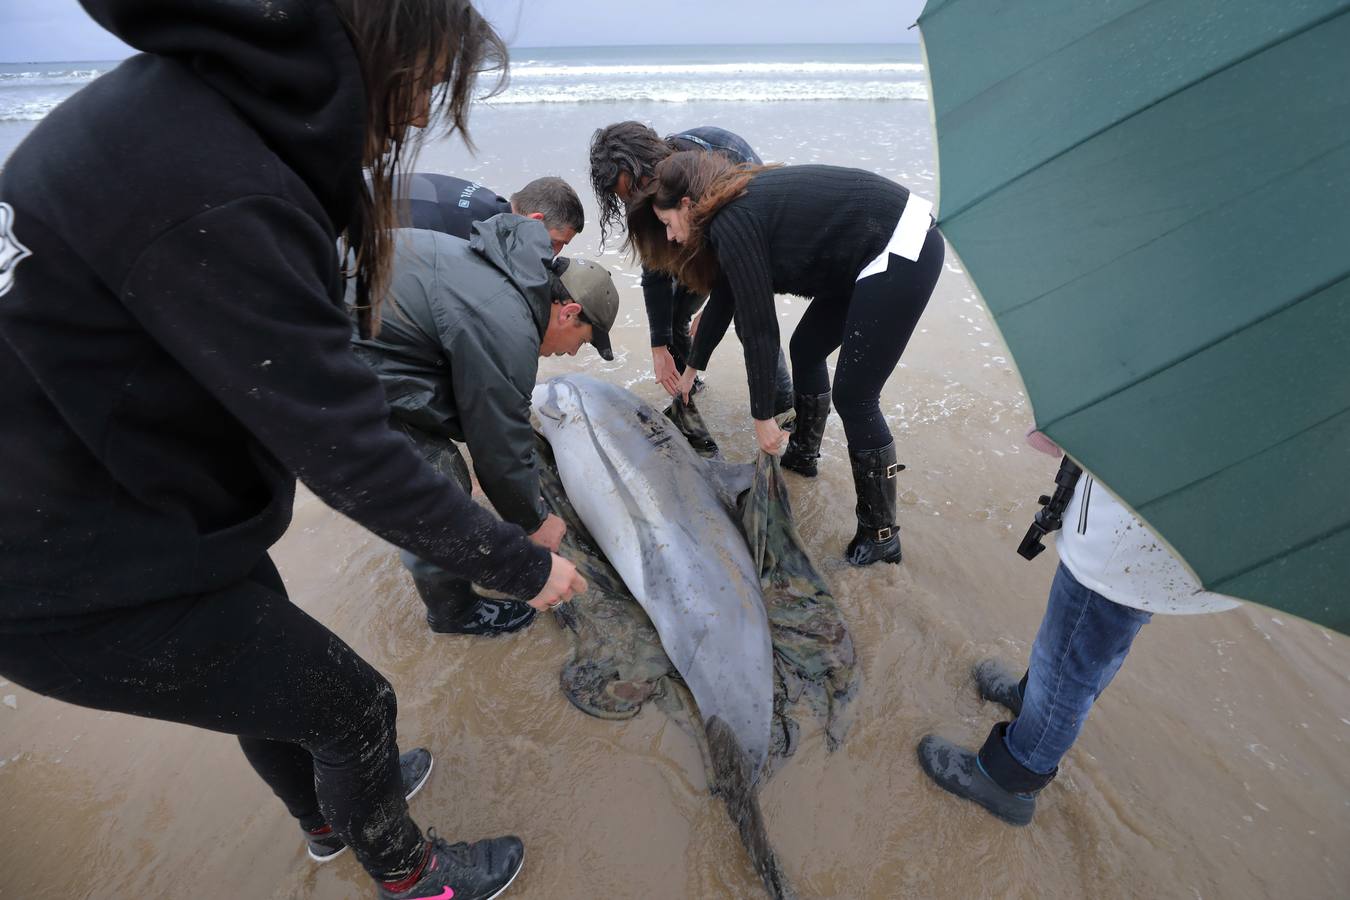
<point x="730" y="479"/>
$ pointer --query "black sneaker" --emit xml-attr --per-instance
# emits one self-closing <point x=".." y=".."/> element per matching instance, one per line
<point x="482" y="617"/>
<point x="478" y="871"/>
<point x="999" y="685"/>
<point x="415" y="767"/>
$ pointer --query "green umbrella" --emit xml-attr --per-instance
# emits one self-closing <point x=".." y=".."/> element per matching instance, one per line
<point x="1154" y="200"/>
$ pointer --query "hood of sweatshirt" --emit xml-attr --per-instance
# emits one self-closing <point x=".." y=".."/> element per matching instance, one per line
<point x="521" y="249"/>
<point x="288" y="66"/>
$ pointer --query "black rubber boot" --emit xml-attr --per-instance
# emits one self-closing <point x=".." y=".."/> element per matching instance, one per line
<point x="878" y="537"/>
<point x="991" y="777"/>
<point x="803" y="449"/>
<point x="998" y="684"/>
<point x="453" y="608"/>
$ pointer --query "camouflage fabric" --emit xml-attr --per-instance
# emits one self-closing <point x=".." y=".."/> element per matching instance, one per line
<point x="618" y="663"/>
<point x="689" y="421"/>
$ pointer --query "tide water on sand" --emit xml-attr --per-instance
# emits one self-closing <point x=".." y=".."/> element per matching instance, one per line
<point x="1215" y="766"/>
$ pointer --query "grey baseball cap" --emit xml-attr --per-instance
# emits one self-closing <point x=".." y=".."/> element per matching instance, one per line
<point x="591" y="285"/>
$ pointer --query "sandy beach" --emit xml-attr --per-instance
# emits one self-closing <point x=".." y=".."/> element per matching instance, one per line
<point x="1216" y="766"/>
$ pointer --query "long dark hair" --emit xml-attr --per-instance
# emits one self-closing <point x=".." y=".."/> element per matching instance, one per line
<point x="405" y="47"/>
<point x="624" y="148"/>
<point x="710" y="181"/>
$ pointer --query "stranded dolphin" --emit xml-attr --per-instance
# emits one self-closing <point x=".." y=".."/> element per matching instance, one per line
<point x="661" y="515"/>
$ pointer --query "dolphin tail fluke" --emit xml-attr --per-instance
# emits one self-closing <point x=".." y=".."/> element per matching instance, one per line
<point x="736" y="781"/>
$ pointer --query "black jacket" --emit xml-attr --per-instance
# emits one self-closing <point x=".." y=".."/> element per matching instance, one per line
<point x="447" y="204"/>
<point x="459" y="357"/>
<point x="175" y="351"/>
<point x="803" y="230"/>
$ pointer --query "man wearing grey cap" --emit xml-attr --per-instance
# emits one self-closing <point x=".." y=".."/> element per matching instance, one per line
<point x="458" y="353"/>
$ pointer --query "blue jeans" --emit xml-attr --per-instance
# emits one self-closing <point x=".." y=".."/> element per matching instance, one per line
<point x="1083" y="640"/>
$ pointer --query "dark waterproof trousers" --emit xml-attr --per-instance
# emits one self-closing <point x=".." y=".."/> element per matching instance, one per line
<point x="445" y="458"/>
<point x="870" y="328"/>
<point x="684" y="303"/>
<point x="314" y="719"/>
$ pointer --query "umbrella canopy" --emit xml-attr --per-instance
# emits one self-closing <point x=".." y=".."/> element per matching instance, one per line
<point x="1154" y="201"/>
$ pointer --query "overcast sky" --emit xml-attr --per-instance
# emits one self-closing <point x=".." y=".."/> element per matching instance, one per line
<point x="43" y="30"/>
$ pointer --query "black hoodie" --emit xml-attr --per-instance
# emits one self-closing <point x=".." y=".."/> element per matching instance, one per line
<point x="174" y="352"/>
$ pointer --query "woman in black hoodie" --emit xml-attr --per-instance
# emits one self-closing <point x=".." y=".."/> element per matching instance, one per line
<point x="175" y="354"/>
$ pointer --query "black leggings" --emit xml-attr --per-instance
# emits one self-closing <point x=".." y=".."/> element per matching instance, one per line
<point x="314" y="719"/>
<point x="870" y="329"/>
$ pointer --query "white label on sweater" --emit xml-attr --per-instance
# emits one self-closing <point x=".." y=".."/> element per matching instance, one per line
<point x="11" y="251"/>
<point x="907" y="239"/>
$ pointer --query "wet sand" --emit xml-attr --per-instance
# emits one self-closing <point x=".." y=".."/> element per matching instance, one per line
<point x="1216" y="765"/>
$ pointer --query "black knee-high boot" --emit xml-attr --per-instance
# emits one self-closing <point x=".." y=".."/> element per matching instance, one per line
<point x="878" y="537"/>
<point x="803" y="449"/>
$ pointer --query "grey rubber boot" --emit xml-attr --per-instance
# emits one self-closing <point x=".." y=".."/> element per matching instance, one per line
<point x="991" y="777"/>
<point x="803" y="449"/>
<point x="998" y="684"/>
<point x="878" y="537"/>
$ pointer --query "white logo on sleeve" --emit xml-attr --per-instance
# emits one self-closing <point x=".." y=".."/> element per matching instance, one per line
<point x="11" y="251"/>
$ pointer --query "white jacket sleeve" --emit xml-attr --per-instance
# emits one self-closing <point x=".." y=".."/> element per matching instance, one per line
<point x="1112" y="552"/>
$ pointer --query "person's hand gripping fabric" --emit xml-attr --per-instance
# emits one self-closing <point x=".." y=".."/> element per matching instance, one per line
<point x="564" y="583"/>
<point x="772" y="439"/>
<point x="550" y="533"/>
<point x="685" y="383"/>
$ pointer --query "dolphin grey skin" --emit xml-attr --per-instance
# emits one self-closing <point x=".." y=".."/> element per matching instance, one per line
<point x="662" y="516"/>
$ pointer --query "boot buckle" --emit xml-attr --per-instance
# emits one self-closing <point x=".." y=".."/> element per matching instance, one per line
<point x="884" y="534"/>
<point x="894" y="469"/>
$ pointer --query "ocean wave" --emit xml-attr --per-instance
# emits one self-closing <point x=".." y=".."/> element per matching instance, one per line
<point x="529" y="69"/>
<point x="48" y="79"/>
<point x="725" y="91"/>
<point x="30" y="111"/>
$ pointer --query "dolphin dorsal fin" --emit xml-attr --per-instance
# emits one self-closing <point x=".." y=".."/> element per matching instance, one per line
<point x="730" y="479"/>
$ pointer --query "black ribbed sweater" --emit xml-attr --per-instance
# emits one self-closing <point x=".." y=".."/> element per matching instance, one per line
<point x="804" y="230"/>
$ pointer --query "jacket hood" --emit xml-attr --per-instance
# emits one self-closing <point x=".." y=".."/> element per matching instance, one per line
<point x="522" y="251"/>
<point x="288" y="66"/>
